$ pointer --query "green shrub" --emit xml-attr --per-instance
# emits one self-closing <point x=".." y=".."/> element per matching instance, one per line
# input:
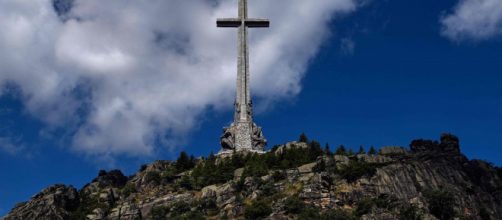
<point x="364" y="207"/>
<point x="168" y="175"/>
<point x="336" y="214"/>
<point x="268" y="188"/>
<point x="357" y="169"/>
<point x="87" y="204"/>
<point x="191" y="215"/>
<point x="409" y="212"/>
<point x="320" y="167"/>
<point x="152" y="177"/>
<point x="255" y="168"/>
<point x="185" y="182"/>
<point x="383" y="201"/>
<point x="158" y="213"/>
<point x="257" y="210"/>
<point x="309" y="213"/>
<point x="128" y="189"/>
<point x="441" y="204"/>
<point x="179" y="208"/>
<point x="294" y="205"/>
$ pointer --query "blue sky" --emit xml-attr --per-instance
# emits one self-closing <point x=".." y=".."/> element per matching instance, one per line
<point x="376" y="73"/>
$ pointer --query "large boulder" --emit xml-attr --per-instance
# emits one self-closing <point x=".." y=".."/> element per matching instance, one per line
<point x="290" y="145"/>
<point x="392" y="151"/>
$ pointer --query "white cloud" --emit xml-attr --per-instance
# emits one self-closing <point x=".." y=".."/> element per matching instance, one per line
<point x="473" y="20"/>
<point x="123" y="75"/>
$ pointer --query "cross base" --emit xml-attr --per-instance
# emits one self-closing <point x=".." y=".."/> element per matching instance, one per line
<point x="242" y="136"/>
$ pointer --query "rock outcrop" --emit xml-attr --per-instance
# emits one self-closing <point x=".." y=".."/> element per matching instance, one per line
<point x="396" y="184"/>
<point x="55" y="202"/>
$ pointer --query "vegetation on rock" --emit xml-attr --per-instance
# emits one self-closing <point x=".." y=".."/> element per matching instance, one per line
<point x="441" y="204"/>
<point x="298" y="180"/>
<point x="257" y="210"/>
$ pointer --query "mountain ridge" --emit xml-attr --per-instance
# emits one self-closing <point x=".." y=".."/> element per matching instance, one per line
<point x="297" y="180"/>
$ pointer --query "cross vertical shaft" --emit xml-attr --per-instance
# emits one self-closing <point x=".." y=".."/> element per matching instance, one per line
<point x="240" y="134"/>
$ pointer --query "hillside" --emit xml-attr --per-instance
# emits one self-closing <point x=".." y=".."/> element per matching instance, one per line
<point x="298" y="180"/>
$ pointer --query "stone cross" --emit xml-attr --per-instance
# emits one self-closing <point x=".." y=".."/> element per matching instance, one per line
<point x="243" y="134"/>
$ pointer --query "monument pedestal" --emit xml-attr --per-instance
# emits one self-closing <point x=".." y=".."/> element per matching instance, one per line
<point x="242" y="136"/>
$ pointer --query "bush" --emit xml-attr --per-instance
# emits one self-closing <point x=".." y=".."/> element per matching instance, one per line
<point x="441" y="204"/>
<point x="268" y="188"/>
<point x="87" y="204"/>
<point x="185" y="182"/>
<point x="294" y="205"/>
<point x="336" y="214"/>
<point x="257" y="210"/>
<point x="179" y="208"/>
<point x="319" y="167"/>
<point x="255" y="167"/>
<point x="383" y="201"/>
<point x="207" y="205"/>
<point x="192" y="215"/>
<point x="364" y="207"/>
<point x="168" y="175"/>
<point x="314" y="150"/>
<point x="158" y="213"/>
<point x="410" y="212"/>
<point x="309" y="213"/>
<point x="128" y="189"/>
<point x="152" y="177"/>
<point x="357" y="169"/>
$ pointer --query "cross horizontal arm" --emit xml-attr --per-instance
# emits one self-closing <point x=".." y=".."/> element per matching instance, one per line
<point x="228" y="22"/>
<point x="257" y="23"/>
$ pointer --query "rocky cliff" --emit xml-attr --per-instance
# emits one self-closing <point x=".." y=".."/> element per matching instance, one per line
<point x="299" y="180"/>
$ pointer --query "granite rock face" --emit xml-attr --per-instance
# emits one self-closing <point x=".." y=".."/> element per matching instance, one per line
<point x="55" y="202"/>
<point x="396" y="184"/>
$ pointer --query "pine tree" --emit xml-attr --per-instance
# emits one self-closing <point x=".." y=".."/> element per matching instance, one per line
<point x="361" y="150"/>
<point x="341" y="150"/>
<point x="350" y="152"/>
<point x="184" y="162"/>
<point x="327" y="150"/>
<point x="315" y="150"/>
<point x="372" y="151"/>
<point x="303" y="138"/>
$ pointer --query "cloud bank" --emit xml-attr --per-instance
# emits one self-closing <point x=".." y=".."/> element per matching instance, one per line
<point x="120" y="77"/>
<point x="473" y="20"/>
